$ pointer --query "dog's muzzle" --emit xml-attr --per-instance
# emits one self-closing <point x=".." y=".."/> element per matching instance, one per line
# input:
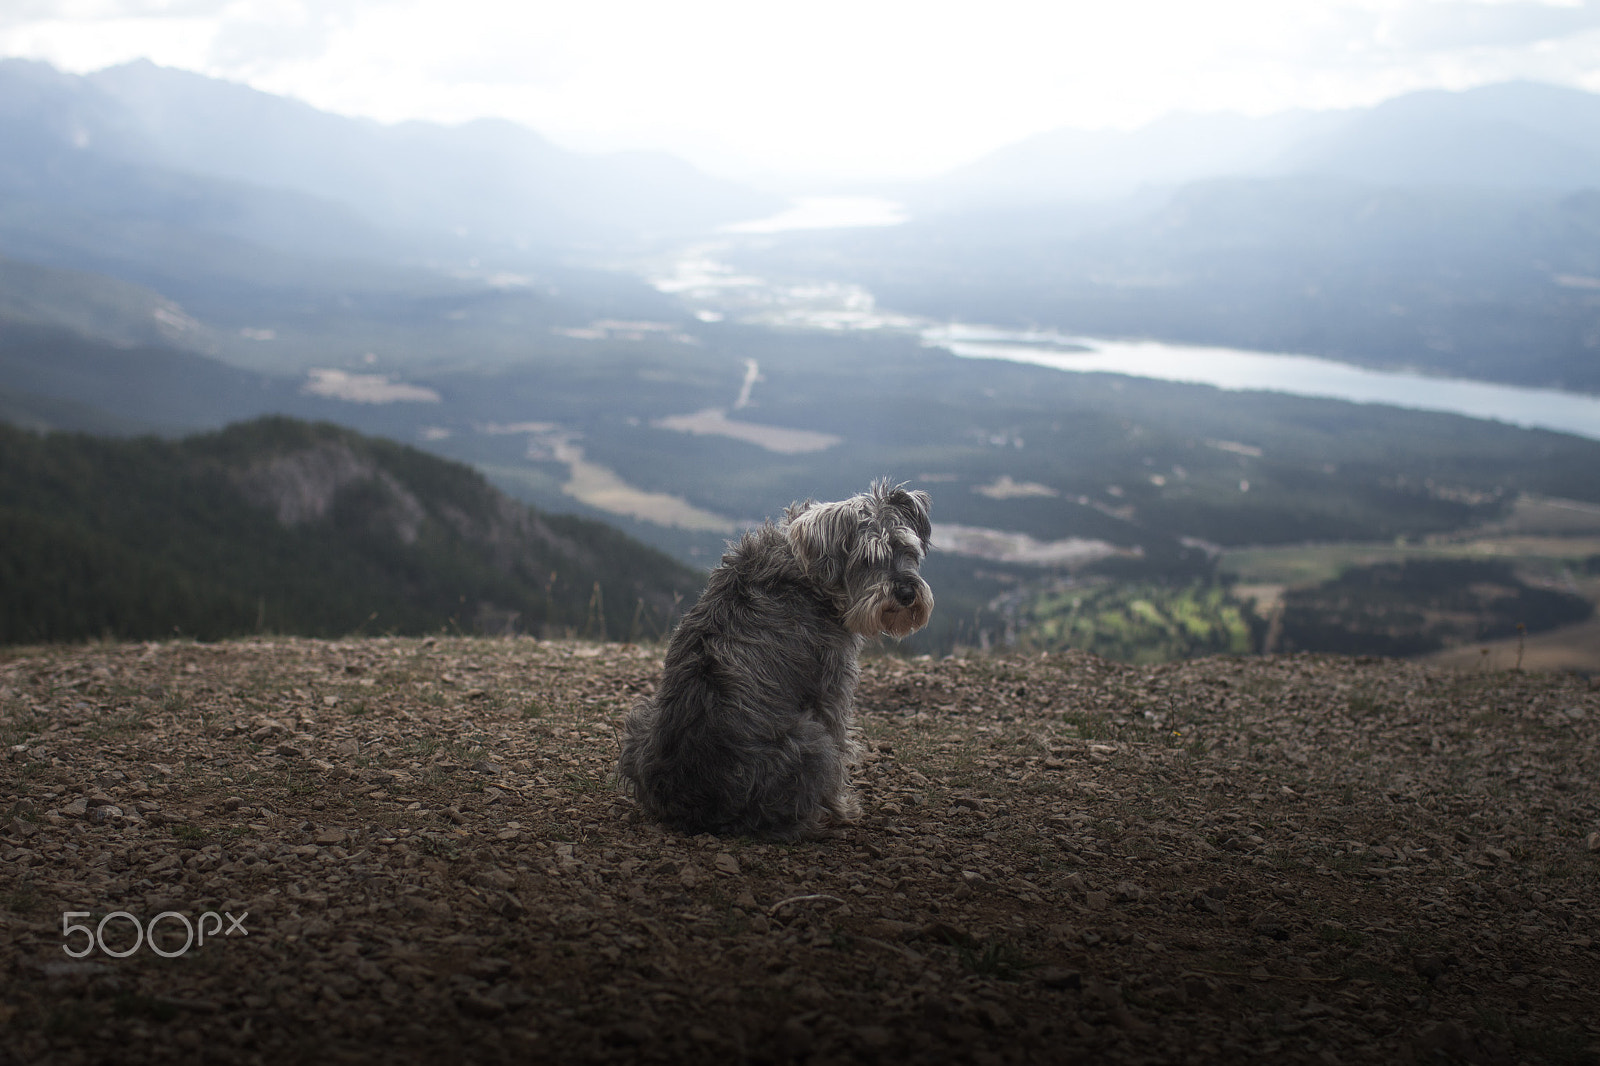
<point x="903" y="610"/>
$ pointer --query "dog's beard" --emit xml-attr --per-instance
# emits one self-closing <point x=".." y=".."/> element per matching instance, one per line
<point x="878" y="612"/>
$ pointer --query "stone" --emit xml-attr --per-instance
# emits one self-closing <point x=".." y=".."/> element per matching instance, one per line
<point x="1059" y="977"/>
<point x="480" y="1006"/>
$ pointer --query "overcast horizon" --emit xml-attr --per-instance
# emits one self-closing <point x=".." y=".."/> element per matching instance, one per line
<point x="832" y="95"/>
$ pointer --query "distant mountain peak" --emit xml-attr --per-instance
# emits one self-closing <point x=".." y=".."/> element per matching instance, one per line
<point x="1519" y="134"/>
<point x="492" y="178"/>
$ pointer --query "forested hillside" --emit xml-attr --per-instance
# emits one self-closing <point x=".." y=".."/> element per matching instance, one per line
<point x="284" y="526"/>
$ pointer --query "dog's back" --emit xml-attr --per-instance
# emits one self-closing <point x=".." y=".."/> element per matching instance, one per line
<point x="747" y="731"/>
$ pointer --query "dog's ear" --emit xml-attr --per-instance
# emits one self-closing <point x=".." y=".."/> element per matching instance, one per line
<point x="822" y="535"/>
<point x="914" y="505"/>
<point x="796" y="509"/>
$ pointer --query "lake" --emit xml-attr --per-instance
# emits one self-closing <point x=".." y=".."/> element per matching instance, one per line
<point x="1297" y="375"/>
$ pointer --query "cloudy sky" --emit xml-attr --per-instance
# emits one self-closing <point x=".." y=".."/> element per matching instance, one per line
<point x="853" y="89"/>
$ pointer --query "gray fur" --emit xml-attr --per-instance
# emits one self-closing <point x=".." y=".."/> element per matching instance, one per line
<point x="749" y="732"/>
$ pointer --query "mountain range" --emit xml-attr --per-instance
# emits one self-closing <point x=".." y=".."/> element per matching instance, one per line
<point x="1515" y="135"/>
<point x="187" y="149"/>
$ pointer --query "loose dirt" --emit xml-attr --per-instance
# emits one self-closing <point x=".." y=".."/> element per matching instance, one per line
<point x="1292" y="859"/>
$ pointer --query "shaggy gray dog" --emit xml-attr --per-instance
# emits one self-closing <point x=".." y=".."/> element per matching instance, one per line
<point x="749" y="731"/>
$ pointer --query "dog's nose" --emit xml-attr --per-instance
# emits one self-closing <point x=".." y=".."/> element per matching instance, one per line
<point x="905" y="594"/>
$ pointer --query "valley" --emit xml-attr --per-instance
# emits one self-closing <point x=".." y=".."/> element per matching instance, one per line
<point x="682" y="385"/>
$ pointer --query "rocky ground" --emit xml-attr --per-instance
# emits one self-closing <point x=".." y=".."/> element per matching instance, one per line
<point x="414" y="852"/>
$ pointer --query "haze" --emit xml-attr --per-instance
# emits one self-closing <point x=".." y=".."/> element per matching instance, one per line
<point x="828" y="91"/>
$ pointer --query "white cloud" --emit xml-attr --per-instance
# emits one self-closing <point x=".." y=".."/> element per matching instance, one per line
<point x="865" y="87"/>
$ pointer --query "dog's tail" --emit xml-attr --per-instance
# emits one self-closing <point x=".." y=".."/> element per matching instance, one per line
<point x="637" y="728"/>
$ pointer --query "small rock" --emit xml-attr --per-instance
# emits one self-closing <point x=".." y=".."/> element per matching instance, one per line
<point x="480" y="1006"/>
<point x="484" y="766"/>
<point x="946" y="933"/>
<point x="489" y="967"/>
<point x="1429" y="967"/>
<point x="797" y="1036"/>
<point x="726" y="863"/>
<point x="1592" y="841"/>
<point x="629" y="1033"/>
<point x="890" y="929"/>
<point x="232" y="803"/>
<point x="104" y="813"/>
<point x="1096" y="900"/>
<point x="1265" y="924"/>
<point x="995" y="1016"/>
<point x="1060" y="977"/>
<point x="77" y="808"/>
<point x="496" y="878"/>
<point x="328" y="837"/>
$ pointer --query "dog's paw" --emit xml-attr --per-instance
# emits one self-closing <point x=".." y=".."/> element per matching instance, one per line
<point x="844" y="807"/>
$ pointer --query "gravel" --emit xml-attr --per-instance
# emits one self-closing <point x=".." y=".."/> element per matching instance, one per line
<point x="403" y="850"/>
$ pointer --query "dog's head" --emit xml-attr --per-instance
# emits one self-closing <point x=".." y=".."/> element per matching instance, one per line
<point x="866" y="552"/>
